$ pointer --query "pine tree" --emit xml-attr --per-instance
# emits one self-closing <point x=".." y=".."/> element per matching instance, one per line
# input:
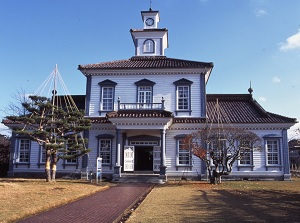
<point x="58" y="129"/>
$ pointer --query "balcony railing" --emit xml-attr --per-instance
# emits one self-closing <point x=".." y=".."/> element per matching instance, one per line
<point x="141" y="106"/>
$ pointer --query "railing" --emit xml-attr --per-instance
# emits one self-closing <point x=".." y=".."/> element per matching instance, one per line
<point x="141" y="106"/>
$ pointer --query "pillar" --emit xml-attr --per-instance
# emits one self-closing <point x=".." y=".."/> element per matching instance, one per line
<point x="285" y="153"/>
<point x="163" y="166"/>
<point x="117" y="167"/>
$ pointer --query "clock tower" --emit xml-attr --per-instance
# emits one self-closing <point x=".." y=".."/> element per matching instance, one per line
<point x="150" y="41"/>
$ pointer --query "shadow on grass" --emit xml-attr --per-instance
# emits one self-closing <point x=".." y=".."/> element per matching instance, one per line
<point x="244" y="206"/>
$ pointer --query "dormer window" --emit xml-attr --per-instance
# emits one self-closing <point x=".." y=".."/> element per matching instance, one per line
<point x="149" y="46"/>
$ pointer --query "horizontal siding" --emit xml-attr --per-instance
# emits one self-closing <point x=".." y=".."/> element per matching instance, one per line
<point x="171" y="158"/>
<point x="93" y="145"/>
<point x="164" y="87"/>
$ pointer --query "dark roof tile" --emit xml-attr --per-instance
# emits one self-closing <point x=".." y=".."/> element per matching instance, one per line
<point x="138" y="62"/>
<point x="241" y="108"/>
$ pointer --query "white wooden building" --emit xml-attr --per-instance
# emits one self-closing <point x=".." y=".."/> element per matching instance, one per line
<point x="142" y="107"/>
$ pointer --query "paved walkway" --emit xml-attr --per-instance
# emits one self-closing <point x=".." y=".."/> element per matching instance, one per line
<point x="104" y="206"/>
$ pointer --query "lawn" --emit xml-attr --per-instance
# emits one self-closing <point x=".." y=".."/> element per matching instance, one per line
<point x="232" y="201"/>
<point x="24" y="197"/>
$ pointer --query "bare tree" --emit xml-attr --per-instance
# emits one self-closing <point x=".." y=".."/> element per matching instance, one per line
<point x="15" y="105"/>
<point x="220" y="148"/>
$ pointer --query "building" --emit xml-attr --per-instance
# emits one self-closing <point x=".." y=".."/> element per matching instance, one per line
<point x="142" y="107"/>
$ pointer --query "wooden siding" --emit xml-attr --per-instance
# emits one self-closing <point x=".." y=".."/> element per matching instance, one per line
<point x="36" y="166"/>
<point x="127" y="91"/>
<point x="93" y="145"/>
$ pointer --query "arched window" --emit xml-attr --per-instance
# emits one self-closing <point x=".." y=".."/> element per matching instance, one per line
<point x="149" y="46"/>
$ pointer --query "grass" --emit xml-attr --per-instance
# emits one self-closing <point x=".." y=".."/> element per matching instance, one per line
<point x="235" y="201"/>
<point x="232" y="201"/>
<point x="20" y="198"/>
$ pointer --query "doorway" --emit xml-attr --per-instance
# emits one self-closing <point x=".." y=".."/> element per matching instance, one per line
<point x="143" y="158"/>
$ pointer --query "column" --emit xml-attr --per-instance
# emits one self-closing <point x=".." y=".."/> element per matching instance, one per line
<point x="285" y="153"/>
<point x="163" y="166"/>
<point x="117" y="167"/>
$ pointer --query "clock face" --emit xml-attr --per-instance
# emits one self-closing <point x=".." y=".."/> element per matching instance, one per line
<point x="149" y="22"/>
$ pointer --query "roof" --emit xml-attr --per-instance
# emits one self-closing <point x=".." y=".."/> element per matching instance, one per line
<point x="149" y="30"/>
<point x="241" y="108"/>
<point x="138" y="62"/>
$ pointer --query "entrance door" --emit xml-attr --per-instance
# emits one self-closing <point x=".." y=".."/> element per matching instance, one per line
<point x="143" y="158"/>
<point x="129" y="158"/>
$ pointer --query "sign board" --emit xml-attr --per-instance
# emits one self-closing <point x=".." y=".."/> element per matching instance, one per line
<point x="99" y="169"/>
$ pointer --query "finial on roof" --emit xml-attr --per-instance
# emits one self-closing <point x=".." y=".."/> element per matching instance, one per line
<point x="150" y="9"/>
<point x="250" y="90"/>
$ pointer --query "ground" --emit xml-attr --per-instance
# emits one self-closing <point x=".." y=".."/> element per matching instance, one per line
<point x="239" y="201"/>
<point x="181" y="201"/>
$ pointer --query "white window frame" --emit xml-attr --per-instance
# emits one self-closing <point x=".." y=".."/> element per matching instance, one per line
<point x="246" y="160"/>
<point x="24" y="146"/>
<point x="145" y="96"/>
<point x="107" y="99"/>
<point x="184" y="157"/>
<point x="105" y="143"/>
<point x="148" y="46"/>
<point x="272" y="147"/>
<point x="183" y="97"/>
<point x="42" y="155"/>
<point x="72" y="160"/>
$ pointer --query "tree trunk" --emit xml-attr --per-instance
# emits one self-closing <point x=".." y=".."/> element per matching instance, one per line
<point x="47" y="166"/>
<point x="54" y="166"/>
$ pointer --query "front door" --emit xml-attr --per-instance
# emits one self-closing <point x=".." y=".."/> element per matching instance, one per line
<point x="129" y="158"/>
<point x="143" y="158"/>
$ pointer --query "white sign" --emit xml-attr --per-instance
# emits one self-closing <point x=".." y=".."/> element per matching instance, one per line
<point x="99" y="169"/>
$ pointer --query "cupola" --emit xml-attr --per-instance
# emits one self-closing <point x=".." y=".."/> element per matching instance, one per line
<point x="150" y="41"/>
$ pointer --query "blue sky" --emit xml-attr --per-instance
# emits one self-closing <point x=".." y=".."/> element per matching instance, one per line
<point x="248" y="40"/>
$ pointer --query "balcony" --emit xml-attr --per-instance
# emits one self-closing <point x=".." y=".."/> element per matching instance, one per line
<point x="141" y="106"/>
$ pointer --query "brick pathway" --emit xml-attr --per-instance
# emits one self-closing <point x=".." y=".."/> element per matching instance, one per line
<point x="104" y="206"/>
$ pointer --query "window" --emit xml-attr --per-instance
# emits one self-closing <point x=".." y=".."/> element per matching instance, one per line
<point x="149" y="46"/>
<point x="272" y="150"/>
<point x="245" y="153"/>
<point x="183" y="95"/>
<point x="184" y="155"/>
<point x="43" y="156"/>
<point x="105" y="147"/>
<point x="72" y="160"/>
<point x="145" y="95"/>
<point x="105" y="150"/>
<point x="107" y="95"/>
<point x="107" y="98"/>
<point x="24" y="151"/>
<point x="218" y="147"/>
